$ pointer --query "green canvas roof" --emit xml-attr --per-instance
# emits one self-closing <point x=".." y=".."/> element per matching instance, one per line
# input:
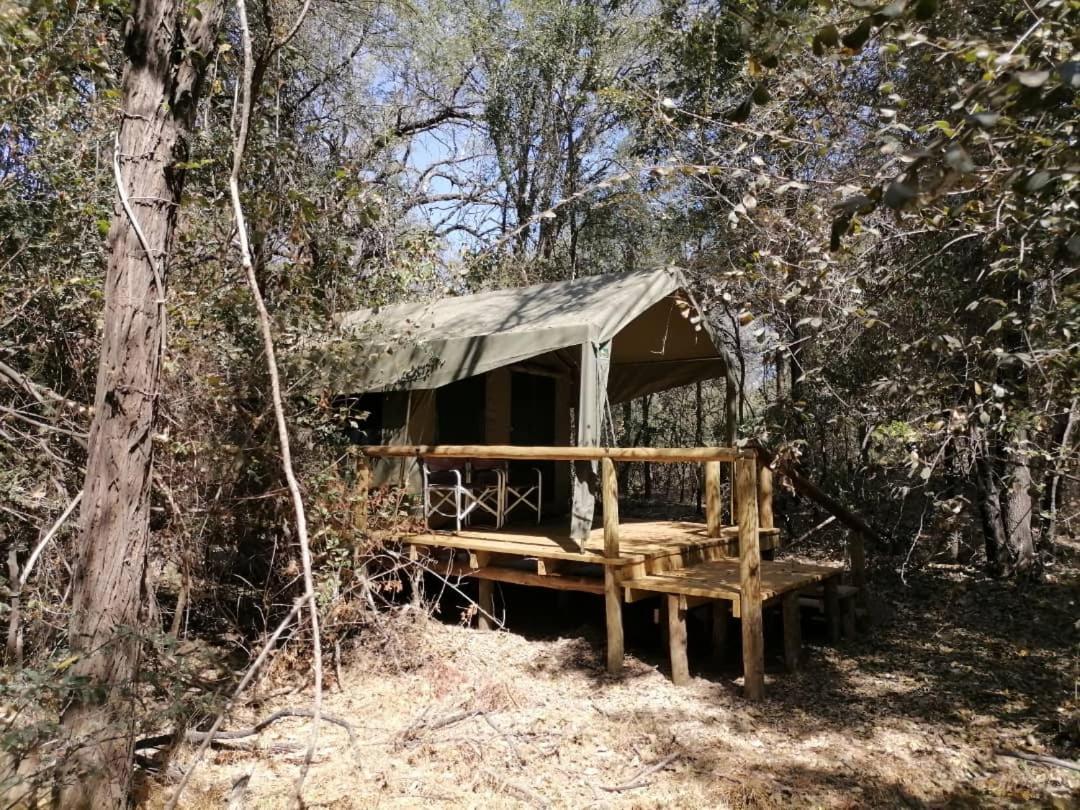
<point x="658" y="338"/>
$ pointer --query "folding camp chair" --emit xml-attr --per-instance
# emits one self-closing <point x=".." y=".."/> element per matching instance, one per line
<point x="445" y="493"/>
<point x="487" y="486"/>
<point x="450" y="492"/>
<point x="528" y="492"/>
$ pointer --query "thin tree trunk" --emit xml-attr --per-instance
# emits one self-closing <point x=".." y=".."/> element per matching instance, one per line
<point x="699" y="441"/>
<point x="646" y="440"/>
<point x="1019" y="505"/>
<point x="1053" y="485"/>
<point x="624" y="469"/>
<point x="988" y="494"/>
<point x="167" y="53"/>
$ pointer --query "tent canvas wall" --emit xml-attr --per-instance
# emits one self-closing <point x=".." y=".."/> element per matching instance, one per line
<point x="606" y="338"/>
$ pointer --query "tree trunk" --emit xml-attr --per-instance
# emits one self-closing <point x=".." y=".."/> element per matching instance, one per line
<point x="699" y="441"/>
<point x="167" y="53"/>
<point x="624" y="469"/>
<point x="1019" y="504"/>
<point x="989" y="507"/>
<point x="1053" y="478"/>
<point x="646" y="441"/>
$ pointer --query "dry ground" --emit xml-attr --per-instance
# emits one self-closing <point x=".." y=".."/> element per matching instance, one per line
<point x="956" y="670"/>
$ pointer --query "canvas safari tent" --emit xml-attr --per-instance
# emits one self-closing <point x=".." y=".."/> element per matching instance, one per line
<point x="522" y="366"/>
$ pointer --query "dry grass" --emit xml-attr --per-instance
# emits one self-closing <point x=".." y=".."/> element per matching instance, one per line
<point x="910" y="716"/>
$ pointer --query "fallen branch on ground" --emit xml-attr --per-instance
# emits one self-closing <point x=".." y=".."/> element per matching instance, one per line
<point x="638" y="779"/>
<point x="250" y="731"/>
<point x="419" y="725"/>
<point x="522" y="791"/>
<point x="509" y="740"/>
<point x="1040" y="759"/>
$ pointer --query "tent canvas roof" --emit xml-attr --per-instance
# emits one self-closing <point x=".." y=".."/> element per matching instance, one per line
<point x="649" y="315"/>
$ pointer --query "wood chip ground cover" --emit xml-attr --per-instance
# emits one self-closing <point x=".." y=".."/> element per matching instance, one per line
<point x="957" y="669"/>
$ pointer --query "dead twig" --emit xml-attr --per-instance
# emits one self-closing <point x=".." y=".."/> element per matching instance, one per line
<point x="507" y="737"/>
<point x="1040" y="759"/>
<point x="250" y="731"/>
<point x="522" y="791"/>
<point x="238" y="793"/>
<point x="239" y="145"/>
<point x="638" y="779"/>
<point x="28" y="566"/>
<point x="256" y="665"/>
<point x="421" y="725"/>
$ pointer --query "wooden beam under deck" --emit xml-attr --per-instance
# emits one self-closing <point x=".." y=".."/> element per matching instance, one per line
<point x="492" y="451"/>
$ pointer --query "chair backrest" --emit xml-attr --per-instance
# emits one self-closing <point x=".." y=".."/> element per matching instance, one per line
<point x="481" y="464"/>
<point x="443" y="464"/>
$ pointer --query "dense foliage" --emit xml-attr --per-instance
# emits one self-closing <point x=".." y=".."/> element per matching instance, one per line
<point x="877" y="203"/>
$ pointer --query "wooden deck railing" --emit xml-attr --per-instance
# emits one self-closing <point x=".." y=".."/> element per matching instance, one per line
<point x="751" y="510"/>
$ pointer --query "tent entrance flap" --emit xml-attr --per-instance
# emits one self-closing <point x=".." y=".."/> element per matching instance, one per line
<point x="592" y="391"/>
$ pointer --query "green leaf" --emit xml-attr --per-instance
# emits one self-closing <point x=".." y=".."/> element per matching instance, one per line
<point x="1033" y="183"/>
<point x="742" y="112"/>
<point x="854" y="40"/>
<point x="826" y="37"/>
<point x="925" y="9"/>
<point x="985" y="120"/>
<point x="1032" y="78"/>
<point x="957" y="159"/>
<point x="855" y="204"/>
<point x="890" y="12"/>
<point x="840" y="226"/>
<point x="1070" y="74"/>
<point x="899" y="194"/>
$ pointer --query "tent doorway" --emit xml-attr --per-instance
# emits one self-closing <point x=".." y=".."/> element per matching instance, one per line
<point x="459" y="408"/>
<point x="532" y="423"/>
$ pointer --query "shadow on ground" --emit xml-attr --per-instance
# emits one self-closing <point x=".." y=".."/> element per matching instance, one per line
<point x="980" y="661"/>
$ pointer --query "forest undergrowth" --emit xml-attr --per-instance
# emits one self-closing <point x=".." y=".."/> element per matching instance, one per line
<point x="961" y="693"/>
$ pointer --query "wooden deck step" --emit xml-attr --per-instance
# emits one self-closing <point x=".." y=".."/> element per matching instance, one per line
<point x="719" y="580"/>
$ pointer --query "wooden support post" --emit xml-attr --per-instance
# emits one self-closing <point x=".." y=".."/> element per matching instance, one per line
<point x="486" y="599"/>
<point x="713" y="517"/>
<point x="676" y="624"/>
<point x="753" y="636"/>
<point x="832" y="607"/>
<point x="612" y="574"/>
<point x="792" y="630"/>
<point x="765" y="494"/>
<point x="857" y="558"/>
<point x="486" y="602"/>
<point x="848" y="619"/>
<point x="721" y="618"/>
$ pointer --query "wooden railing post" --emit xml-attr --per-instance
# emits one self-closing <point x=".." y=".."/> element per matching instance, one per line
<point x="363" y="486"/>
<point x="612" y="574"/>
<point x="857" y="558"/>
<point x="765" y="494"/>
<point x="733" y="496"/>
<point x="753" y="639"/>
<point x="713" y="516"/>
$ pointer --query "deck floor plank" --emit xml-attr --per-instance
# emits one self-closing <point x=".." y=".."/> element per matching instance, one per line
<point x="639" y="541"/>
<point x="719" y="579"/>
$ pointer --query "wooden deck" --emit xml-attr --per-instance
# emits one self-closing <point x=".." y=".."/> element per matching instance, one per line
<point x="719" y="580"/>
<point x="641" y="541"/>
<point x="684" y="564"/>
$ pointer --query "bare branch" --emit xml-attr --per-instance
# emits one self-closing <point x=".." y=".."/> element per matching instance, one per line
<point x="28" y="566"/>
